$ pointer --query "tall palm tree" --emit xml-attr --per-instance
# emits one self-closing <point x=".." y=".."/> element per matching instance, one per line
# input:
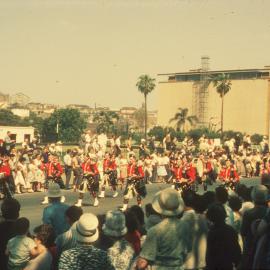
<point x="223" y="86"/>
<point x="145" y="85"/>
<point x="181" y="118"/>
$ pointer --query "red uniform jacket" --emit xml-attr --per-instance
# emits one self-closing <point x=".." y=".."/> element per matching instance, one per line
<point x="54" y="169"/>
<point x="109" y="165"/>
<point x="209" y="166"/>
<point x="5" y="169"/>
<point x="131" y="170"/>
<point x="191" y="173"/>
<point x="177" y="171"/>
<point x="106" y="165"/>
<point x="112" y="165"/>
<point x="90" y="168"/>
<point x="228" y="173"/>
<point x="140" y="172"/>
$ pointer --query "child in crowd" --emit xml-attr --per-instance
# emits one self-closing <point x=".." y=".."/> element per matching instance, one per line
<point x="21" y="248"/>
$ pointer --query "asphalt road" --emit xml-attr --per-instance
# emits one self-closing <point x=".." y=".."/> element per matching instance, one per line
<point x="32" y="209"/>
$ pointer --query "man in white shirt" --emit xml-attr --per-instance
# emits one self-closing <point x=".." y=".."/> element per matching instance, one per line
<point x="68" y="167"/>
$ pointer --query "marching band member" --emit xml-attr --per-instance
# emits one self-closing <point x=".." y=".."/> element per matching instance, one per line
<point x="5" y="173"/>
<point x="90" y="180"/>
<point x="229" y="175"/>
<point x="54" y="173"/>
<point x="135" y="183"/>
<point x="109" y="175"/>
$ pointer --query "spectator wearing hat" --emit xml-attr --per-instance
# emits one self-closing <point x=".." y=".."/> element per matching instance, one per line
<point x="54" y="214"/>
<point x="85" y="255"/>
<point x="259" y="195"/>
<point x="10" y="209"/>
<point x="223" y="250"/>
<point x="120" y="251"/>
<point x="167" y="243"/>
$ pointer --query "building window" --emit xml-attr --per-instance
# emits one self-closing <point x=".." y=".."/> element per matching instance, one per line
<point x="13" y="136"/>
<point x="27" y="137"/>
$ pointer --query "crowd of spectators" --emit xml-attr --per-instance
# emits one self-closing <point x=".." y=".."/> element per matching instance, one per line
<point x="187" y="230"/>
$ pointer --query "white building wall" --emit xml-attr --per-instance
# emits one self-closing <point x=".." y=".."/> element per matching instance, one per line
<point x="20" y="132"/>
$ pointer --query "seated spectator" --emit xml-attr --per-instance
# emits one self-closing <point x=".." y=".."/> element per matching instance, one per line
<point x="167" y="243"/>
<point x="259" y="196"/>
<point x="66" y="240"/>
<point x="223" y="250"/>
<point x="10" y="209"/>
<point x="21" y="248"/>
<point x="54" y="214"/>
<point x="133" y="235"/>
<point x="121" y="252"/>
<point x="85" y="255"/>
<point x="44" y="239"/>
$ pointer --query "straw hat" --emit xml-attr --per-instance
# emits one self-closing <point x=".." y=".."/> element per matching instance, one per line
<point x="85" y="230"/>
<point x="168" y="203"/>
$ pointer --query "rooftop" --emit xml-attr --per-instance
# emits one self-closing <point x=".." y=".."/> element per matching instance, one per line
<point x="234" y="74"/>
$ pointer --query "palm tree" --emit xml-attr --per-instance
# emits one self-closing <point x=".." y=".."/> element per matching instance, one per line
<point x="145" y="85"/>
<point x="223" y="86"/>
<point x="181" y="118"/>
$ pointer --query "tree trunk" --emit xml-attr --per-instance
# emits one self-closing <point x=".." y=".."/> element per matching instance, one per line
<point x="145" y="117"/>
<point x="222" y="107"/>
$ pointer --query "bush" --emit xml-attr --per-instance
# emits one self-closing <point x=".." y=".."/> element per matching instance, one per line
<point x="158" y="132"/>
<point x="137" y="137"/>
<point x="229" y="134"/>
<point x="256" y="138"/>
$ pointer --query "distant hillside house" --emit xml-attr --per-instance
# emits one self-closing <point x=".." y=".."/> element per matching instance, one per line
<point x="21" y="112"/>
<point x="19" y="98"/>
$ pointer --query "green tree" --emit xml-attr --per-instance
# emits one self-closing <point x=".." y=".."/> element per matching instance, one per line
<point x="106" y="121"/>
<point x="7" y="118"/>
<point x="223" y="86"/>
<point x="182" y="118"/>
<point x="66" y="125"/>
<point x="145" y="85"/>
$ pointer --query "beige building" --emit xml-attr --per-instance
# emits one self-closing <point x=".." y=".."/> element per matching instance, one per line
<point x="246" y="106"/>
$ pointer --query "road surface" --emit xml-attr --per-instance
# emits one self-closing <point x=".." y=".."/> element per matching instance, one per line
<point x="32" y="209"/>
